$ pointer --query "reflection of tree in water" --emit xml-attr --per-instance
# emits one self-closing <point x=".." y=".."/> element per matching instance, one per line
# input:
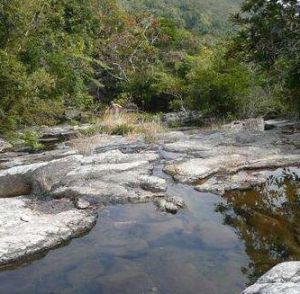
<point x="267" y="219"/>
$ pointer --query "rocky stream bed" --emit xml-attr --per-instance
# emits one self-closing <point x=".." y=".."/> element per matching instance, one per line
<point x="51" y="197"/>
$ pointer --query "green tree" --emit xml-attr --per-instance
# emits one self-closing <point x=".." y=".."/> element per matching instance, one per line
<point x="270" y="37"/>
<point x="216" y="83"/>
<point x="44" y="47"/>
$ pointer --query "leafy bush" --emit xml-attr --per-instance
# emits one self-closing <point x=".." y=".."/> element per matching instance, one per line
<point x="274" y="47"/>
<point x="122" y="130"/>
<point x="31" y="140"/>
<point x="217" y="83"/>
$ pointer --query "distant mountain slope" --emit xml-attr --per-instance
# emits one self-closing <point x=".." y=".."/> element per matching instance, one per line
<point x="201" y="16"/>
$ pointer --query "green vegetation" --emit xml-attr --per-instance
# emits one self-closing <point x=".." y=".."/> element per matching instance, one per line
<point x="31" y="140"/>
<point x="162" y="55"/>
<point x="270" y="38"/>
<point x="122" y="129"/>
<point x="205" y="17"/>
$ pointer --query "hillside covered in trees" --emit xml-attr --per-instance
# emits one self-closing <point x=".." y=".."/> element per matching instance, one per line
<point x="162" y="55"/>
<point x="203" y="17"/>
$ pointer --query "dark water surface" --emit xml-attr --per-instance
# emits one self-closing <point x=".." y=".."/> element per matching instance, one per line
<point x="215" y="245"/>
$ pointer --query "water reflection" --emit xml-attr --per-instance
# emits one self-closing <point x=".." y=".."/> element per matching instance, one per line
<point x="136" y="249"/>
<point x="267" y="219"/>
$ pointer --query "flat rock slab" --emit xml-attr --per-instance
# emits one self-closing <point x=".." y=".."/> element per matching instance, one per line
<point x="244" y="180"/>
<point x="108" y="176"/>
<point x="74" y="184"/>
<point x="120" y="170"/>
<point x="284" y="278"/>
<point x="219" y="155"/>
<point x="26" y="230"/>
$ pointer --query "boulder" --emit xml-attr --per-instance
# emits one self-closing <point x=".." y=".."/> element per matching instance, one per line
<point x="44" y="178"/>
<point x="248" y="125"/>
<point x="57" y="134"/>
<point x="170" y="204"/>
<point x="151" y="183"/>
<point x="36" y="178"/>
<point x="61" y="133"/>
<point x="283" y="278"/>
<point x="16" y="181"/>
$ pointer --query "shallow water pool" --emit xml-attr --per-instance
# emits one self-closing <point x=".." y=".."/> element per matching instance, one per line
<point x="215" y="245"/>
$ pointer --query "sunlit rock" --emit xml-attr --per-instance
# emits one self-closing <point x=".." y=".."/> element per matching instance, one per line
<point x="283" y="278"/>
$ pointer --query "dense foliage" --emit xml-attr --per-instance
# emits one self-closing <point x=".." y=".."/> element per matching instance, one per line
<point x="44" y="50"/>
<point x="270" y="37"/>
<point x="84" y="54"/>
<point x="201" y="16"/>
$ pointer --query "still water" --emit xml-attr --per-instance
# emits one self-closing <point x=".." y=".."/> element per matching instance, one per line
<point x="215" y="245"/>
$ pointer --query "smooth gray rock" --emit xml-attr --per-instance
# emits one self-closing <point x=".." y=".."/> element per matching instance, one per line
<point x="13" y="159"/>
<point x="101" y="174"/>
<point x="239" y="181"/>
<point x="244" y="180"/>
<point x="221" y="153"/>
<point x="16" y="181"/>
<point x="198" y="168"/>
<point x="25" y="230"/>
<point x="120" y="170"/>
<point x="224" y="160"/>
<point x="284" y="278"/>
<point x="83" y="181"/>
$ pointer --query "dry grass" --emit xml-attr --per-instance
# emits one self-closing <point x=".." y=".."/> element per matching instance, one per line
<point x="110" y="121"/>
<point x="131" y="125"/>
<point x="87" y="145"/>
<point x="151" y="131"/>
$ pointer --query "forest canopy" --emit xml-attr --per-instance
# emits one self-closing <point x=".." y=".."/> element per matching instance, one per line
<point x="203" y="17"/>
<point x="162" y="55"/>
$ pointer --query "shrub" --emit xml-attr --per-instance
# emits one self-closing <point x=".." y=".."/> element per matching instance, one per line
<point x="216" y="83"/>
<point x="122" y="129"/>
<point x="31" y="140"/>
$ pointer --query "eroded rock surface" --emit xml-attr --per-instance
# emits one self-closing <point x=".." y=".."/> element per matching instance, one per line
<point x="244" y="180"/>
<point x="283" y="278"/>
<point x="26" y="229"/>
<point x="223" y="160"/>
<point x="63" y="186"/>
